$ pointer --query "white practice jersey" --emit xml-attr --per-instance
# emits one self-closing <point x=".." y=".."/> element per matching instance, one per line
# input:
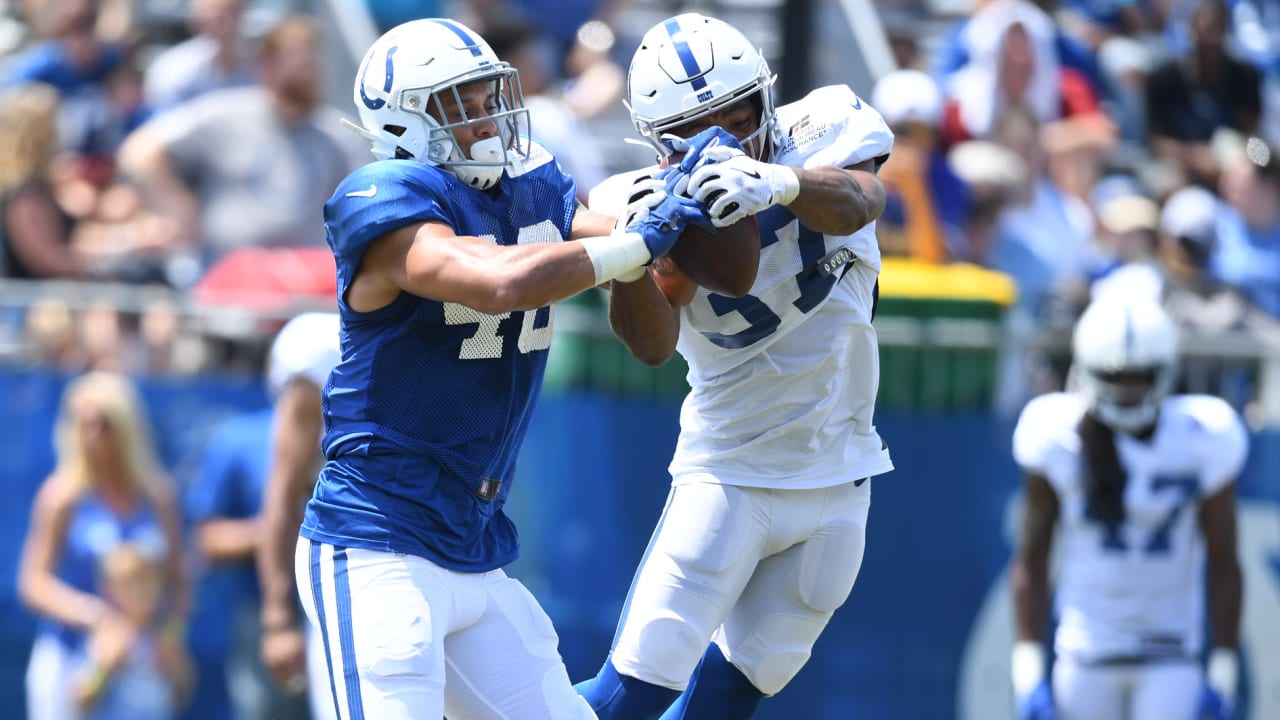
<point x="784" y="379"/>
<point x="1133" y="589"/>
<point x="306" y="347"/>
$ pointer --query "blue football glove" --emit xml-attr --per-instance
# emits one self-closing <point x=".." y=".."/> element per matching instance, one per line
<point x="1039" y="704"/>
<point x="661" y="225"/>
<point x="712" y="145"/>
<point x="1213" y="706"/>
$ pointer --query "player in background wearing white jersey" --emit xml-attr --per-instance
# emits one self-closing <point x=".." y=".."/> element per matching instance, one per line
<point x="1138" y="484"/>
<point x="763" y="532"/>
<point x="302" y="355"/>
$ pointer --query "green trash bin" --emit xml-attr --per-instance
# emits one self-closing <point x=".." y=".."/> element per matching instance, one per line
<point x="940" y="330"/>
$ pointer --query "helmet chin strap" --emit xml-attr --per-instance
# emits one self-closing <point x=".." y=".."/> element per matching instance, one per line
<point x="483" y="177"/>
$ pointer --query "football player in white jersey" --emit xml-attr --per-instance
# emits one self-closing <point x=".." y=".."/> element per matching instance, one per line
<point x="1138" y="485"/>
<point x="763" y="532"/>
<point x="302" y="355"/>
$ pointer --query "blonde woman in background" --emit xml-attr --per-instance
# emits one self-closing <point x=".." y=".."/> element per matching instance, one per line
<point x="107" y="488"/>
<point x="35" y="231"/>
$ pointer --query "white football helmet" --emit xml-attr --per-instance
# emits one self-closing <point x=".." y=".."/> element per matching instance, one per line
<point x="692" y="65"/>
<point x="401" y="87"/>
<point x="1125" y="355"/>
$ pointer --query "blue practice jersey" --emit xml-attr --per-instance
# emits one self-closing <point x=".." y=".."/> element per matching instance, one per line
<point x="426" y="411"/>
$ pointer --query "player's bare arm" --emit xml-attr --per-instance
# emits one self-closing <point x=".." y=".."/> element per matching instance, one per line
<point x="1223" y="578"/>
<point x="297" y="424"/>
<point x="430" y="261"/>
<point x="645" y="317"/>
<point x="1030" y="571"/>
<point x="838" y="201"/>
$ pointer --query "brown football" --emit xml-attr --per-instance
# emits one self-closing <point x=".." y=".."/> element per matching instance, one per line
<point x="723" y="262"/>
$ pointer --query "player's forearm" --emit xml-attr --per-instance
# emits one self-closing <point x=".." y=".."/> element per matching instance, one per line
<point x="1226" y="592"/>
<point x="837" y="201"/>
<point x="281" y="519"/>
<point x="226" y="540"/>
<point x="644" y="320"/>
<point x="1030" y="599"/>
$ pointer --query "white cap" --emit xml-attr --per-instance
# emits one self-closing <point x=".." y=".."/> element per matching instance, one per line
<point x="1190" y="213"/>
<point x="307" y="347"/>
<point x="903" y="96"/>
<point x="1128" y="213"/>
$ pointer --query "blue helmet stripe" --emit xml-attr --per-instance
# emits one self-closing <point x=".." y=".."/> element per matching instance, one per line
<point x="462" y="33"/>
<point x="685" y="54"/>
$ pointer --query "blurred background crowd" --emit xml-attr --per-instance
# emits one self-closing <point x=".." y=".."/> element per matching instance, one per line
<point x="163" y="164"/>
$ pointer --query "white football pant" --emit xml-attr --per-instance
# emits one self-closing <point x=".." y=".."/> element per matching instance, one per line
<point x="761" y="569"/>
<point x="1144" y="691"/>
<point x="409" y="640"/>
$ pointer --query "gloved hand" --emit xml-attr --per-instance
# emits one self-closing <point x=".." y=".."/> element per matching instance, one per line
<point x="1217" y="700"/>
<point x="1038" y="705"/>
<point x="736" y="186"/>
<point x="647" y="192"/>
<point x="1213" y="706"/>
<point x="709" y="146"/>
<point x="661" y="225"/>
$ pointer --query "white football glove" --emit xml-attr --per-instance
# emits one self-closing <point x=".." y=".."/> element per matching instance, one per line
<point x="647" y="192"/>
<point x="735" y="186"/>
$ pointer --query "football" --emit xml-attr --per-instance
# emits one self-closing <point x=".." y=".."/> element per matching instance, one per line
<point x="723" y="262"/>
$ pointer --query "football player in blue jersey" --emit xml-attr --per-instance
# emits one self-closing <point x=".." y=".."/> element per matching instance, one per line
<point x="450" y="250"/>
<point x="763" y="533"/>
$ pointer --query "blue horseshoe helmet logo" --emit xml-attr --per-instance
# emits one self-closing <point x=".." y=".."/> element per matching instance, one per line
<point x="375" y="103"/>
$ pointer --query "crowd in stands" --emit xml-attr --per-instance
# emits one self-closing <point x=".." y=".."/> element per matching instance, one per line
<point x="1091" y="147"/>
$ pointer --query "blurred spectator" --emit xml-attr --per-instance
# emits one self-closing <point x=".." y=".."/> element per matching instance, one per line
<point x="1203" y="305"/>
<point x="1128" y="232"/>
<point x="1042" y="237"/>
<point x="35" y="233"/>
<point x="1248" y="250"/>
<point x="107" y="488"/>
<point x="1012" y="65"/>
<point x="1011" y="60"/>
<point x="595" y="83"/>
<point x="302" y="356"/>
<point x="134" y="668"/>
<point x="551" y="120"/>
<point x="214" y="57"/>
<point x="1190" y="97"/>
<point x="995" y="177"/>
<point x="1127" y="63"/>
<point x="927" y="206"/>
<point x="78" y="64"/>
<point x="249" y="167"/>
<point x="222" y="505"/>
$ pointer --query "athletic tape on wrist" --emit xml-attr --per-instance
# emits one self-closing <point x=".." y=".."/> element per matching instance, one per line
<point x="617" y="256"/>
<point x="1027" y="667"/>
<point x="788" y="186"/>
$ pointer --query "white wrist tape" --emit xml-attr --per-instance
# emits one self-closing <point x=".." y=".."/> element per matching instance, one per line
<point x="1027" y="667"/>
<point x="786" y="184"/>
<point x="621" y="256"/>
<point x="1222" y="673"/>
